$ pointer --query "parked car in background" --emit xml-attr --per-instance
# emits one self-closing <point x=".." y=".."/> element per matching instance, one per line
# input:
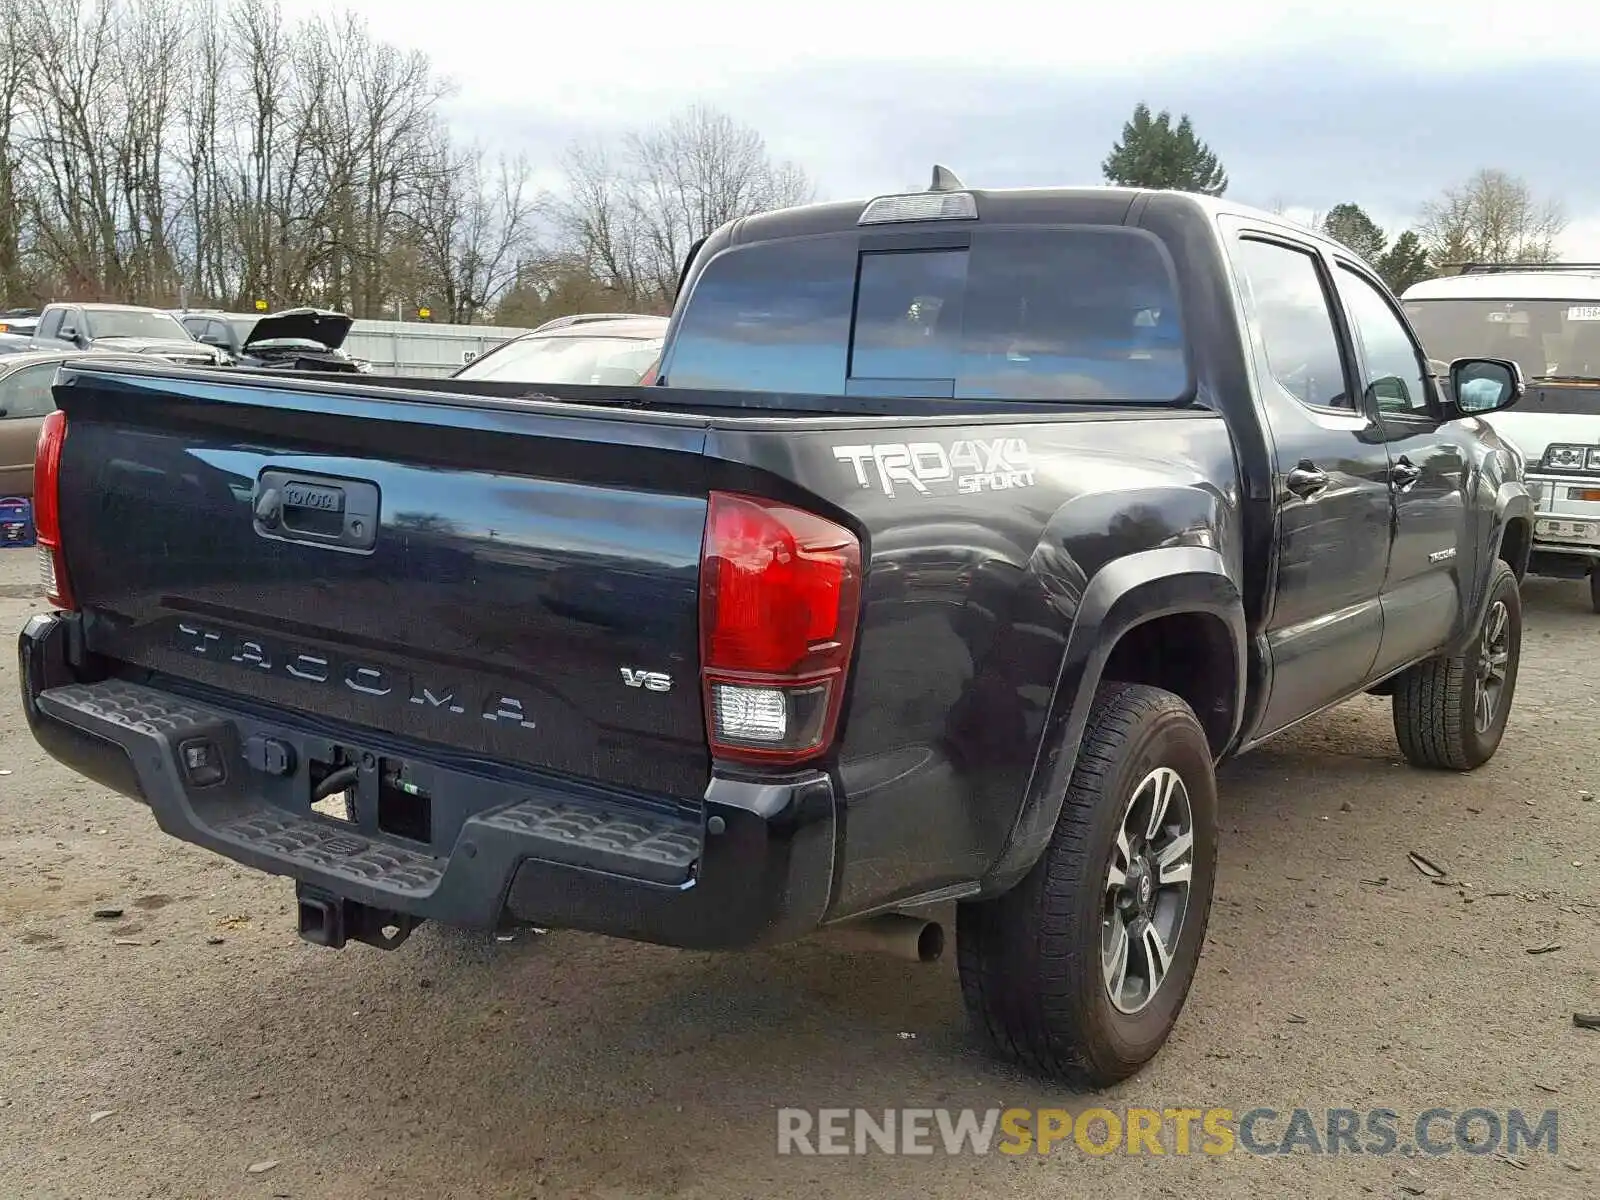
<point x="1546" y="318"/>
<point x="601" y="348"/>
<point x="124" y="328"/>
<point x="15" y="343"/>
<point x="297" y="339"/>
<point x="19" y="322"/>
<point x="25" y="400"/>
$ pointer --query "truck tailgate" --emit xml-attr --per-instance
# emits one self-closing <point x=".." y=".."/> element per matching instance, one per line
<point x="504" y="582"/>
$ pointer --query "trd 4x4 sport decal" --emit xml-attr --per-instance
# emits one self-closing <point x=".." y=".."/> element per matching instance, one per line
<point x="966" y="467"/>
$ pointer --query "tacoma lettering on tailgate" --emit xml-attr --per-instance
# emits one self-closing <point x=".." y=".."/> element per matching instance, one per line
<point x="254" y="653"/>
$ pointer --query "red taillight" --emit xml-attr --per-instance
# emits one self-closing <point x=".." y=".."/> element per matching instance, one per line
<point x="648" y="379"/>
<point x="47" y="510"/>
<point x="780" y="591"/>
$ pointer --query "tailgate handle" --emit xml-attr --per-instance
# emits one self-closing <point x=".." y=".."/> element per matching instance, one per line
<point x="317" y="510"/>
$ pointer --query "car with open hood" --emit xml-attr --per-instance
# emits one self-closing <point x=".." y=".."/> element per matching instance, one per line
<point x="124" y="329"/>
<point x="297" y="339"/>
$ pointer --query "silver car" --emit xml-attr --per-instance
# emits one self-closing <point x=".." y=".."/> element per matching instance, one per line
<point x="602" y="348"/>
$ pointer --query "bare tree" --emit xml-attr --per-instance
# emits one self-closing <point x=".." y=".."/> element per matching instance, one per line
<point x="215" y="152"/>
<point x="74" y="115"/>
<point x="1492" y="217"/>
<point x="696" y="172"/>
<point x="598" y="218"/>
<point x="15" y="57"/>
<point x="472" y="224"/>
<point x="200" y="132"/>
<point x="153" y="52"/>
<point x="634" y="213"/>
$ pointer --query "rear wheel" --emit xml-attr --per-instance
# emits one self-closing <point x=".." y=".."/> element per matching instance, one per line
<point x="1450" y="713"/>
<point x="1080" y="971"/>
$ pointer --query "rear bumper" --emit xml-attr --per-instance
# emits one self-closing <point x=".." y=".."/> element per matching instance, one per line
<point x="752" y="864"/>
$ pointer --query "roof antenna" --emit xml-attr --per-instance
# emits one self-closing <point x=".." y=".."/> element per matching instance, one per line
<point x="945" y="180"/>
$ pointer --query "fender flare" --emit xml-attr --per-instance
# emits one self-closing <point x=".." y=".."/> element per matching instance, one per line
<point x="1512" y="502"/>
<point x="1125" y="593"/>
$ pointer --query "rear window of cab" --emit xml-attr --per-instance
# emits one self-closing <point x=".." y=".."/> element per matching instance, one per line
<point x="1087" y="314"/>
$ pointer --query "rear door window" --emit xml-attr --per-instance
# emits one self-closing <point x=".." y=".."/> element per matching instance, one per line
<point x="1087" y="314"/>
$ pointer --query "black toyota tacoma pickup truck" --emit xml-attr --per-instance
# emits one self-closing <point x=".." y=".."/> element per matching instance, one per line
<point x="962" y="535"/>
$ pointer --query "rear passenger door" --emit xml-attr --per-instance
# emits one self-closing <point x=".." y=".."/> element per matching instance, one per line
<point x="1430" y="567"/>
<point x="1324" y="624"/>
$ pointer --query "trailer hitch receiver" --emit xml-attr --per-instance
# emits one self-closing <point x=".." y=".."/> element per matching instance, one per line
<point x="329" y="920"/>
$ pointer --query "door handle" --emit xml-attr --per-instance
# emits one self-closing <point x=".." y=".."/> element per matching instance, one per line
<point x="1306" y="480"/>
<point x="1404" y="474"/>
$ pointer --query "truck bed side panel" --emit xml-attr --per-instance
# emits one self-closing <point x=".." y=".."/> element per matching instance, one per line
<point x="973" y="587"/>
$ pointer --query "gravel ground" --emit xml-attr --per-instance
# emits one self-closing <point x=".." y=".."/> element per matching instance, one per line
<point x="564" y="1064"/>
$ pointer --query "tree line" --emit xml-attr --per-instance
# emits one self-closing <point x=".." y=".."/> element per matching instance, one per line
<point x="214" y="153"/>
<point x="1492" y="217"/>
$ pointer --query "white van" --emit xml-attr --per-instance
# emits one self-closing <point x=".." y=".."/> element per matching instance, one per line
<point x="1547" y="319"/>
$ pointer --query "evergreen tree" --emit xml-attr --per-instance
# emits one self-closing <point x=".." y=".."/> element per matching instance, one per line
<point x="1153" y="153"/>
<point x="1404" y="263"/>
<point x="1350" y="226"/>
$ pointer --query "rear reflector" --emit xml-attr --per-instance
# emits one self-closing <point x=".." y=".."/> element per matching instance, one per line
<point x="780" y="592"/>
<point x="47" y="510"/>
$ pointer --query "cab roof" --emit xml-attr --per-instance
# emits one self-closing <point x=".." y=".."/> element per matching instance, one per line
<point x="1089" y="205"/>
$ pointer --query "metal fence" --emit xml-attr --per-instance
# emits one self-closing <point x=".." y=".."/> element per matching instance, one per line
<point x="420" y="347"/>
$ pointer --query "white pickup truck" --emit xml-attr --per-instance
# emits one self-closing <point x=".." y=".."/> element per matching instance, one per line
<point x="1546" y="317"/>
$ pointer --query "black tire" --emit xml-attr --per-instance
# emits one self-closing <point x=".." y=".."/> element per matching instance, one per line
<point x="1435" y="717"/>
<point x="1030" y="959"/>
<point x="1594" y="590"/>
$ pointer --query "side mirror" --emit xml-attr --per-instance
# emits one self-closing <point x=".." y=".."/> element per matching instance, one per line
<point x="1484" y="385"/>
<point x="67" y="333"/>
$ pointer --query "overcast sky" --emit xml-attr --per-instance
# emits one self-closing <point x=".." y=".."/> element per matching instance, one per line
<point x="1307" y="106"/>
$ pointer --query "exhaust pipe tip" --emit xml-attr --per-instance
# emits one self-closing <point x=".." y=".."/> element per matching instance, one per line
<point x="915" y="939"/>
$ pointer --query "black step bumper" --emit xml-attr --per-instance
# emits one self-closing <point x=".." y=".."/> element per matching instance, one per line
<point x="752" y="864"/>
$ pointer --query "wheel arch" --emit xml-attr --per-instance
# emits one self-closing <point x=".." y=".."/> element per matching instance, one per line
<point x="1516" y="543"/>
<point x="1510" y="540"/>
<point x="1134" y="610"/>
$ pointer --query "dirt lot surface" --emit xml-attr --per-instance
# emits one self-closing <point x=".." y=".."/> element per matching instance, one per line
<point x="566" y="1065"/>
